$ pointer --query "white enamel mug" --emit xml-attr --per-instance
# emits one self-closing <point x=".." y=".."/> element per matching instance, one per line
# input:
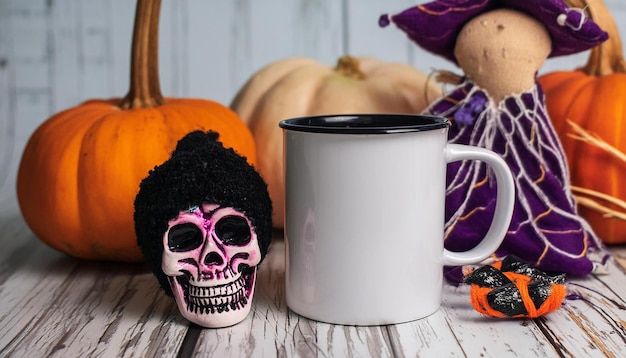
<point x="364" y="216"/>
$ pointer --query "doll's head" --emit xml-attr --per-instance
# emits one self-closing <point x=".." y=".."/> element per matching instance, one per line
<point x="203" y="222"/>
<point x="501" y="51"/>
<point x="499" y="44"/>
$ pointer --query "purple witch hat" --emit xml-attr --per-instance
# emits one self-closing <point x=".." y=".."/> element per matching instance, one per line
<point x="435" y="25"/>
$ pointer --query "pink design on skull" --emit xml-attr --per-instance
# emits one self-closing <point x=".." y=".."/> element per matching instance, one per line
<point x="210" y="257"/>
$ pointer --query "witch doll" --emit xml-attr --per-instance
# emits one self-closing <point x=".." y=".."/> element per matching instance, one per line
<point x="500" y="45"/>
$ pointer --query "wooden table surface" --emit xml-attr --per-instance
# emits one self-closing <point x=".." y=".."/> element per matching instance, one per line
<point x="55" y="305"/>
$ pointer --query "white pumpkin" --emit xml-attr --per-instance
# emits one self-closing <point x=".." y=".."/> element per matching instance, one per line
<point x="298" y="87"/>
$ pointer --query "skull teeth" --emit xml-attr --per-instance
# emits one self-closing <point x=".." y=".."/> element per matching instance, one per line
<point x="217" y="299"/>
<point x="223" y="290"/>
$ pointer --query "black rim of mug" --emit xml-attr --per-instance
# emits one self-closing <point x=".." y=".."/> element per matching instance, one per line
<point x="365" y="123"/>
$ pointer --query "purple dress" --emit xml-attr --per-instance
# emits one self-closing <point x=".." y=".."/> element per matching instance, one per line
<point x="546" y="230"/>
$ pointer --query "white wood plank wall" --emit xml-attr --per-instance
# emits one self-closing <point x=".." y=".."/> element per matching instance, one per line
<point x="54" y="54"/>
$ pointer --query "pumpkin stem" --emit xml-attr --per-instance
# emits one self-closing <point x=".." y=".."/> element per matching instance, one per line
<point x="606" y="58"/>
<point x="145" y="90"/>
<point x="349" y="66"/>
<point x="447" y="77"/>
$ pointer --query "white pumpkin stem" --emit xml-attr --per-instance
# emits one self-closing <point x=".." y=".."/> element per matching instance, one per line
<point x="349" y="66"/>
<point x="145" y="90"/>
<point x="446" y="77"/>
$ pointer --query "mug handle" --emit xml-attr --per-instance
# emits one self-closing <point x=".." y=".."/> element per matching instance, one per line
<point x="504" y="204"/>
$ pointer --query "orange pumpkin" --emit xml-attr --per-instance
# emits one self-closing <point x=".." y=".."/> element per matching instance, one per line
<point x="296" y="87"/>
<point x="593" y="98"/>
<point x="81" y="169"/>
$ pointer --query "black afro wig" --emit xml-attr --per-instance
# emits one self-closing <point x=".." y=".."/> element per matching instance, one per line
<point x="199" y="170"/>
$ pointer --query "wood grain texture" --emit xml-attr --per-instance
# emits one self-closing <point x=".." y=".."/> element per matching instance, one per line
<point x="55" y="54"/>
<point x="583" y="327"/>
<point x="53" y="305"/>
<point x="7" y="100"/>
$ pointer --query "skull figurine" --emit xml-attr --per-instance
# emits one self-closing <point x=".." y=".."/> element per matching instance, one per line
<point x="210" y="256"/>
<point x="203" y="220"/>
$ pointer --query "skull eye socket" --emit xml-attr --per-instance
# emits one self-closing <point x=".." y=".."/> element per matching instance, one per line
<point x="184" y="237"/>
<point x="233" y="230"/>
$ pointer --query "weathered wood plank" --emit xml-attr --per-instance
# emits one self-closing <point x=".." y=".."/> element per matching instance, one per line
<point x="174" y="41"/>
<point x="365" y="37"/>
<point x="592" y="325"/>
<point x="247" y="35"/>
<point x="59" y="306"/>
<point x="456" y="329"/>
<point x="54" y="305"/>
<point x="64" y="19"/>
<point x="89" y="50"/>
<point x="56" y="54"/>
<point x="274" y="330"/>
<point x="7" y="96"/>
<point x="619" y="255"/>
<point x="429" y="337"/>
<point x="27" y="64"/>
<point x="94" y="58"/>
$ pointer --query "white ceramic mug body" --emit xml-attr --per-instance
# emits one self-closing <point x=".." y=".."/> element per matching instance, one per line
<point x="365" y="213"/>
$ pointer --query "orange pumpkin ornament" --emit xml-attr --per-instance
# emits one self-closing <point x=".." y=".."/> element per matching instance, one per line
<point x="297" y="87"/>
<point x="81" y="169"/>
<point x="588" y="110"/>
